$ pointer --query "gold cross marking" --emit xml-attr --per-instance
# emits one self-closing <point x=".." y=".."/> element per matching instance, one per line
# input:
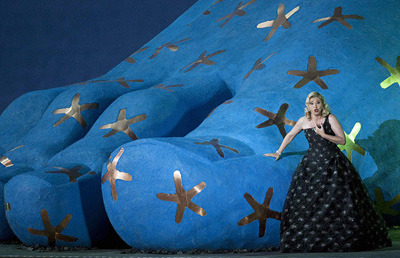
<point x="74" y="111"/>
<point x="238" y="11"/>
<point x="113" y="174"/>
<point x="183" y="198"/>
<point x="279" y="119"/>
<point x="258" y="65"/>
<point x="122" y="124"/>
<point x="312" y="74"/>
<point x="167" y="88"/>
<point x="281" y="20"/>
<point x="170" y="46"/>
<point x="203" y="59"/>
<point x="339" y="17"/>
<point x="217" y="146"/>
<point x="51" y="232"/>
<point x="207" y="12"/>
<point x="72" y="173"/>
<point x="131" y="60"/>
<point x="262" y="212"/>
<point x="5" y="161"/>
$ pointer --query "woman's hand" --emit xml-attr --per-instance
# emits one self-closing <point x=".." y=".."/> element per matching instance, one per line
<point x="319" y="129"/>
<point x="274" y="155"/>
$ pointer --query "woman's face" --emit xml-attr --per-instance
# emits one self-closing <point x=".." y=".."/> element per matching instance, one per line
<point x="315" y="106"/>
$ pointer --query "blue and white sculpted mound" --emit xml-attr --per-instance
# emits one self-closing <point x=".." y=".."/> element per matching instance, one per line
<point x="167" y="147"/>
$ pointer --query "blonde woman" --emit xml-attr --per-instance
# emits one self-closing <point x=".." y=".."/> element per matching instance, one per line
<point x="327" y="208"/>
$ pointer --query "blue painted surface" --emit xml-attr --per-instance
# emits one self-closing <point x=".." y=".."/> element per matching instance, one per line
<point x="177" y="120"/>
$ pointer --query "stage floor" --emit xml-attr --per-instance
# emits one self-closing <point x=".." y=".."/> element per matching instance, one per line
<point x="10" y="250"/>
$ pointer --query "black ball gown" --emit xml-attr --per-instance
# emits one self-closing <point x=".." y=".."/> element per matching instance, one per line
<point x="327" y="208"/>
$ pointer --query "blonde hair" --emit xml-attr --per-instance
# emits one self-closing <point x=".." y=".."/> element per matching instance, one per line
<point x="325" y="107"/>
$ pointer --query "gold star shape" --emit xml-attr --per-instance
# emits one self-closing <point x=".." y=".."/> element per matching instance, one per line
<point x="169" y="45"/>
<point x="122" y="124"/>
<point x="130" y="59"/>
<point x="339" y="17"/>
<point x="215" y="143"/>
<point x="121" y="81"/>
<point x="350" y="143"/>
<point x="51" y="232"/>
<point x="203" y="59"/>
<point x="312" y="74"/>
<point x="207" y="12"/>
<point x="258" y="65"/>
<point x="384" y="206"/>
<point x="262" y="212"/>
<point x="237" y="12"/>
<point x="394" y="72"/>
<point x="74" y="111"/>
<point x="279" y="119"/>
<point x="72" y="173"/>
<point x="183" y="198"/>
<point x="167" y="88"/>
<point x="5" y="161"/>
<point x="113" y="174"/>
<point x="281" y="20"/>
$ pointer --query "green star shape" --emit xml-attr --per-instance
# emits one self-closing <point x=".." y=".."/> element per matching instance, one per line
<point x="384" y="206"/>
<point x="394" y="72"/>
<point x="350" y="144"/>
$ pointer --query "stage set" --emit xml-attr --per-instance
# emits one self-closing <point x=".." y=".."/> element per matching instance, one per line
<point x="166" y="148"/>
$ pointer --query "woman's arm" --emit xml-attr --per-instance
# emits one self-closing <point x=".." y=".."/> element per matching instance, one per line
<point x="288" y="138"/>
<point x="339" y="137"/>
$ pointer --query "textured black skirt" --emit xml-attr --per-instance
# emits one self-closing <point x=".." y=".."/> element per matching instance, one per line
<point x="328" y="209"/>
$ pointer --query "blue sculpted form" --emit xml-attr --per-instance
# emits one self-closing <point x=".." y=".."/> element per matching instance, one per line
<point x="163" y="95"/>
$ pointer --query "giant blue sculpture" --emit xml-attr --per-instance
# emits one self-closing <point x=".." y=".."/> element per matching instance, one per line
<point x="167" y="147"/>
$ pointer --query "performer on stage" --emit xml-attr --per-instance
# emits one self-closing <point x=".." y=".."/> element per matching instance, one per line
<point x="327" y="208"/>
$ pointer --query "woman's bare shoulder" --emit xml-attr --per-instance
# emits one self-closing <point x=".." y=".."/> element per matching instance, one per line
<point x="332" y="118"/>
<point x="302" y="120"/>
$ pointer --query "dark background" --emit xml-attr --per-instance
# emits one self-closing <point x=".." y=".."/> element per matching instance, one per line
<point x="52" y="43"/>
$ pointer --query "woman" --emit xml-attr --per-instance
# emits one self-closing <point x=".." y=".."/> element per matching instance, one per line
<point x="327" y="207"/>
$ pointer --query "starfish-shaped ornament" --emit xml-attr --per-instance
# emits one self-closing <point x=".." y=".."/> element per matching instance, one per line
<point x="167" y="88"/>
<point x="72" y="173"/>
<point x="312" y="74"/>
<point x="339" y="17"/>
<point x="394" y="72"/>
<point x="122" y="124"/>
<point x="169" y="45"/>
<point x="217" y="146"/>
<point x="262" y="212"/>
<point x="51" y="232"/>
<point x="113" y="174"/>
<point x="131" y="60"/>
<point x="183" y="198"/>
<point x="207" y="12"/>
<point x="74" y="111"/>
<point x="384" y="206"/>
<point x="203" y="59"/>
<point x="281" y="20"/>
<point x="350" y="143"/>
<point x="279" y="119"/>
<point x="258" y="65"/>
<point x="5" y="161"/>
<point x="237" y="12"/>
